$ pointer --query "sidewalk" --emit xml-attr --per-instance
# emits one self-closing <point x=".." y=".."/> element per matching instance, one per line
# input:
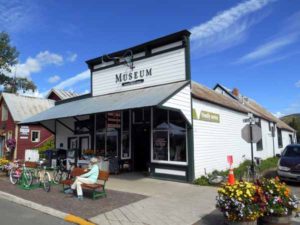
<point x="132" y="200"/>
<point x="168" y="202"/>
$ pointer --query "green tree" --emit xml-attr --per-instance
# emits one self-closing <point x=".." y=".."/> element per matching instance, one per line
<point x="8" y="59"/>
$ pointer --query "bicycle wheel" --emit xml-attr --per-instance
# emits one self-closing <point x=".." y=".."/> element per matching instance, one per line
<point x="14" y="176"/>
<point x="57" y="176"/>
<point x="46" y="182"/>
<point x="27" y="178"/>
<point x="246" y="176"/>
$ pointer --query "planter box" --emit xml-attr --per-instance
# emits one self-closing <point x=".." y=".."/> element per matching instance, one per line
<point x="240" y="222"/>
<point x="275" y="220"/>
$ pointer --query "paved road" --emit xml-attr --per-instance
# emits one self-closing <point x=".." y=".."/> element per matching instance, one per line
<point x="13" y="214"/>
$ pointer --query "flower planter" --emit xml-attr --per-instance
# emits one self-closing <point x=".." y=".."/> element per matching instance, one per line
<point x="227" y="222"/>
<point x="275" y="220"/>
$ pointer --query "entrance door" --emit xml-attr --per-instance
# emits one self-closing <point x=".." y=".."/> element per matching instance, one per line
<point x="141" y="146"/>
<point x="83" y="145"/>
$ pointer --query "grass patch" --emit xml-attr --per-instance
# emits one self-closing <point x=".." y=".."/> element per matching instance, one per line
<point x="239" y="171"/>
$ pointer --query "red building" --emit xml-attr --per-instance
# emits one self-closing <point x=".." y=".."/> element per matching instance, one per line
<point x="15" y="108"/>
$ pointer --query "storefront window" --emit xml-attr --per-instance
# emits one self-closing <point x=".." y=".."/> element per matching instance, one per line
<point x="169" y="136"/>
<point x="178" y="145"/>
<point x="160" y="119"/>
<point x="108" y="127"/>
<point x="160" y="145"/>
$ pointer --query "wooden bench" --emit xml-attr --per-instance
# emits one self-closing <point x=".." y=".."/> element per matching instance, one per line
<point x="98" y="189"/>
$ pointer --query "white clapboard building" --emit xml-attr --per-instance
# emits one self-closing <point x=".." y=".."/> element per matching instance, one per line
<point x="144" y="110"/>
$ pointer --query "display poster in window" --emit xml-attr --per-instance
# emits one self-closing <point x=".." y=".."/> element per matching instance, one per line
<point x="83" y="126"/>
<point x="114" y="120"/>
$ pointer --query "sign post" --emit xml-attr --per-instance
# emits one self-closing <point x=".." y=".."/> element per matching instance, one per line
<point x="251" y="133"/>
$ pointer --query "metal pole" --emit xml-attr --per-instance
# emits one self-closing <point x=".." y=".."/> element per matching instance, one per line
<point x="252" y="157"/>
<point x="273" y="132"/>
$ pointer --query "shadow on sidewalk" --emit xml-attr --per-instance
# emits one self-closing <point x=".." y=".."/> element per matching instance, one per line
<point x="215" y="217"/>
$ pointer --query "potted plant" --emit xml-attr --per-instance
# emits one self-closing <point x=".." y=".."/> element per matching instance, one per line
<point x="11" y="145"/>
<point x="280" y="202"/>
<point x="241" y="204"/>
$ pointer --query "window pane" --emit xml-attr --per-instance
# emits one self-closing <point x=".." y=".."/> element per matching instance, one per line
<point x="125" y="145"/>
<point x="160" y="119"/>
<point x="114" y="120"/>
<point x="100" y="122"/>
<point x="112" y="143"/>
<point x="147" y="115"/>
<point x="160" y="145"/>
<point x="176" y="120"/>
<point x="178" y="145"/>
<point x="100" y="144"/>
<point x="138" y="116"/>
<point x="125" y="120"/>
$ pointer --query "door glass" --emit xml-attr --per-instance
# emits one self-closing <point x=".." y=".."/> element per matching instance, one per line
<point x="100" y="144"/>
<point x="112" y="143"/>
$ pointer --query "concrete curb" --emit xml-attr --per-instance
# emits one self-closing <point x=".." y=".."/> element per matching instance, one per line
<point x="33" y="205"/>
<point x="44" y="209"/>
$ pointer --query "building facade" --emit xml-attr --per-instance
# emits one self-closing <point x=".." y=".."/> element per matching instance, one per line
<point x="13" y="109"/>
<point x="144" y="110"/>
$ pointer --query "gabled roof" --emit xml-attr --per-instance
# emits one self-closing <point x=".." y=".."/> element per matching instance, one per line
<point x="255" y="108"/>
<point x="204" y="93"/>
<point x="62" y="94"/>
<point x="23" y="107"/>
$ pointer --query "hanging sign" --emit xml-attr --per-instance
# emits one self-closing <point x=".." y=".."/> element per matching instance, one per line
<point x="209" y="117"/>
<point x="24" y="130"/>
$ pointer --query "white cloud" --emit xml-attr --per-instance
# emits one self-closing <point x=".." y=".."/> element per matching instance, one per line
<point x="35" y="65"/>
<point x="286" y="36"/>
<point x="297" y="84"/>
<point x="54" y="79"/>
<point x="74" y="80"/>
<point x="278" y="114"/>
<point x="226" y="29"/>
<point x="269" y="48"/>
<point x="72" y="57"/>
<point x="16" y="14"/>
<point x="31" y="93"/>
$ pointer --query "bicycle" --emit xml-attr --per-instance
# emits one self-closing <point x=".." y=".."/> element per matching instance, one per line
<point x="61" y="172"/>
<point x="42" y="176"/>
<point x="255" y="174"/>
<point x="21" y="175"/>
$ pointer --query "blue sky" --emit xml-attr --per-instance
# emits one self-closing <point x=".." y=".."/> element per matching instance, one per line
<point x="253" y="45"/>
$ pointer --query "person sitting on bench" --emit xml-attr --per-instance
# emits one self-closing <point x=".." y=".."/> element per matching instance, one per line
<point x="86" y="178"/>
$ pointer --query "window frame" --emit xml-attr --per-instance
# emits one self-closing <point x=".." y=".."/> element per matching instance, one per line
<point x="39" y="135"/>
<point x="279" y="138"/>
<point x="4" y="118"/>
<point x="168" y="130"/>
<point x="261" y="140"/>
<point x="129" y="133"/>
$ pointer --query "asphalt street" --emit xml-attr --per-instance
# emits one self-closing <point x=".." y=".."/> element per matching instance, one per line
<point x="14" y="214"/>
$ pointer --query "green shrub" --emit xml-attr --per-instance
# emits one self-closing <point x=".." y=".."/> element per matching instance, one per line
<point x="46" y="146"/>
<point x="239" y="171"/>
<point x="203" y="181"/>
